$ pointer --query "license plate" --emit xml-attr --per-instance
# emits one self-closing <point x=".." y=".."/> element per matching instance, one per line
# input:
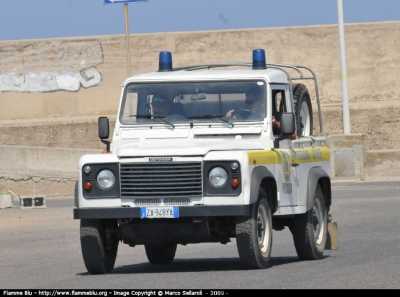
<point x="159" y="212"/>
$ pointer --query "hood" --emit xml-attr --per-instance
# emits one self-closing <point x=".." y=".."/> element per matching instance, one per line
<point x="186" y="147"/>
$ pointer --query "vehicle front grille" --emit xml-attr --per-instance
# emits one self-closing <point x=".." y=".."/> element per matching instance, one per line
<point x="176" y="201"/>
<point x="158" y="202"/>
<point x="161" y="180"/>
<point x="147" y="202"/>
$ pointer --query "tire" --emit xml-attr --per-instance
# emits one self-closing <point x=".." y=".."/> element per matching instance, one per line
<point x="254" y="234"/>
<point x="160" y="253"/>
<point x="98" y="251"/>
<point x="310" y="229"/>
<point x="303" y="111"/>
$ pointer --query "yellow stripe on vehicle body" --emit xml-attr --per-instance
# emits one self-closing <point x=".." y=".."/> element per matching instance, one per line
<point x="298" y="155"/>
<point x="264" y="157"/>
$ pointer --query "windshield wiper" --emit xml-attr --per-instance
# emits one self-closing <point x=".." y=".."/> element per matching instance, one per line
<point x="153" y="117"/>
<point x="212" y="116"/>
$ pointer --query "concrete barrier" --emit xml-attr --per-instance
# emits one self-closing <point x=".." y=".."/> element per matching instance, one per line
<point x="61" y="132"/>
<point x="39" y="171"/>
<point x="382" y="165"/>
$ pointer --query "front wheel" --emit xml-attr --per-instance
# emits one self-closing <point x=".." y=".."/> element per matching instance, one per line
<point x="99" y="248"/>
<point x="310" y="229"/>
<point x="254" y="234"/>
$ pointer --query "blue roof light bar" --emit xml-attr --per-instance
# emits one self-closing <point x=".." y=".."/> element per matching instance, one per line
<point x="259" y="59"/>
<point x="165" y="62"/>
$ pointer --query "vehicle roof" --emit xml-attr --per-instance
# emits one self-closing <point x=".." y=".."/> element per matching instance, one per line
<point x="270" y="75"/>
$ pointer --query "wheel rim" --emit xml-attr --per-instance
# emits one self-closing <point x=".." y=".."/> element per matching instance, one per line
<point x="318" y="221"/>
<point x="262" y="229"/>
<point x="305" y="119"/>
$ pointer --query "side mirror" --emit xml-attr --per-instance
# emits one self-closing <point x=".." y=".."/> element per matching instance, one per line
<point x="104" y="128"/>
<point x="104" y="131"/>
<point x="287" y="124"/>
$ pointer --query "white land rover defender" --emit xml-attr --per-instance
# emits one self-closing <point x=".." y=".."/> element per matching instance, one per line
<point x="209" y="170"/>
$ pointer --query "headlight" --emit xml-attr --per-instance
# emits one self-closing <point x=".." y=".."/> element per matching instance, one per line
<point x="106" y="179"/>
<point x="218" y="177"/>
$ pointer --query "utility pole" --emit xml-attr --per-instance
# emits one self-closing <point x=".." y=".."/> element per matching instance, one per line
<point x="128" y="54"/>
<point x="343" y="70"/>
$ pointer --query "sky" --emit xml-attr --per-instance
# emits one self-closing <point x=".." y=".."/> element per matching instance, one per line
<point x="37" y="19"/>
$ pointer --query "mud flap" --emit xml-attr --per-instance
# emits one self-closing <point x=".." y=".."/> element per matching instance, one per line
<point x="332" y="240"/>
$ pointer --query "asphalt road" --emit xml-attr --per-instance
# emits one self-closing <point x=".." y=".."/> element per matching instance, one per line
<point x="40" y="248"/>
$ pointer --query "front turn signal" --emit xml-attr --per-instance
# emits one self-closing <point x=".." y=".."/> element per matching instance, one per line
<point x="88" y="186"/>
<point x="235" y="182"/>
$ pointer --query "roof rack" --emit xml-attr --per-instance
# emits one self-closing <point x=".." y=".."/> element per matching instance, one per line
<point x="281" y="67"/>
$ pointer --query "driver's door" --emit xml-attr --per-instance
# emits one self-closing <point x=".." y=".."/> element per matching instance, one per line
<point x="287" y="180"/>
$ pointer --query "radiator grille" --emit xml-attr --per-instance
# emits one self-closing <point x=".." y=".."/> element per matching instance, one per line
<point x="161" y="180"/>
<point x="176" y="201"/>
<point x="147" y="202"/>
<point x="158" y="202"/>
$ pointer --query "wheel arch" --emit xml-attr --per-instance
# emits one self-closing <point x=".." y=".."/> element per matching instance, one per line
<point x="317" y="176"/>
<point x="262" y="177"/>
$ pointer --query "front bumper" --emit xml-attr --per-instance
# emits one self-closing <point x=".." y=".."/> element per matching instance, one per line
<point x="184" y="211"/>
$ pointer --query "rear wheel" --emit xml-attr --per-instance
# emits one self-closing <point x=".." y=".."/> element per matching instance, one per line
<point x="160" y="253"/>
<point x="303" y="110"/>
<point x="254" y="234"/>
<point x="310" y="229"/>
<point x="99" y="247"/>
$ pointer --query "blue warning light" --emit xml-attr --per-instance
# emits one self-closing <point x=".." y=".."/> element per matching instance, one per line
<point x="165" y="62"/>
<point x="259" y="59"/>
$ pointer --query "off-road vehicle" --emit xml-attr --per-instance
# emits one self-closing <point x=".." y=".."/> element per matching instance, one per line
<point x="197" y="175"/>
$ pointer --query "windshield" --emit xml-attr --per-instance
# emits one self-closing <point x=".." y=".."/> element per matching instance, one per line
<point x="168" y="103"/>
